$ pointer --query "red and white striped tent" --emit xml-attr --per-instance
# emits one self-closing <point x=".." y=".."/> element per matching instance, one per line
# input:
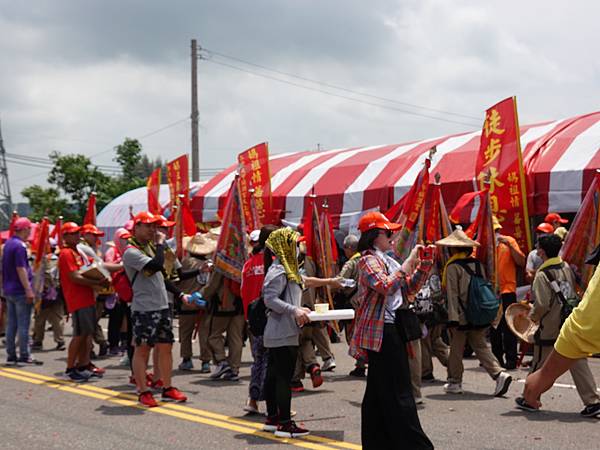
<point x="560" y="158"/>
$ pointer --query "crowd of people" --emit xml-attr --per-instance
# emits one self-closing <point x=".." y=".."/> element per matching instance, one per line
<point x="406" y="312"/>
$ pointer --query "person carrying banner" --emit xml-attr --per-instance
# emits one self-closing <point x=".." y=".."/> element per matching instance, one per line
<point x="456" y="280"/>
<point x="199" y="249"/>
<point x="509" y="257"/>
<point x="282" y="293"/>
<point x="152" y="322"/>
<point x="554" y="284"/>
<point x="52" y="308"/>
<point x="80" y="300"/>
<point x="389" y="413"/>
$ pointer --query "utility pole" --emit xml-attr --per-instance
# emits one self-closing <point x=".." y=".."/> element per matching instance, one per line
<point x="5" y="198"/>
<point x="194" y="117"/>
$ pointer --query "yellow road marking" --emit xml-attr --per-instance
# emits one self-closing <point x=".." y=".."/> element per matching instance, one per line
<point x="174" y="410"/>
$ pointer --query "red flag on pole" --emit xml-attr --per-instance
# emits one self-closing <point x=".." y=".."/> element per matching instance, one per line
<point x="153" y="188"/>
<point x="500" y="162"/>
<point x="41" y="247"/>
<point x="56" y="234"/>
<point x="90" y="215"/>
<point x="13" y="219"/>
<point x="178" y="178"/>
<point x="255" y="186"/>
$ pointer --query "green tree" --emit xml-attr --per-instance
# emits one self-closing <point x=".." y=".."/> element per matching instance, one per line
<point x="47" y="202"/>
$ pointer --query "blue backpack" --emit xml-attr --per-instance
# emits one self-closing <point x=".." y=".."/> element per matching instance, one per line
<point x="483" y="304"/>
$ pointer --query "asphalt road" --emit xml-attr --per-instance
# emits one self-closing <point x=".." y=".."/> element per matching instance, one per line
<point x="40" y="410"/>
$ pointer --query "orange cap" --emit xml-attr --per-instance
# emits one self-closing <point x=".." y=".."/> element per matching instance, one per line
<point x="165" y="223"/>
<point x="92" y="229"/>
<point x="555" y="217"/>
<point x="70" y="227"/>
<point x="545" y="228"/>
<point x="375" y="219"/>
<point x="145" y="217"/>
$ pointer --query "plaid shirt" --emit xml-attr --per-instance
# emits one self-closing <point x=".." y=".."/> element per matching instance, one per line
<point x="374" y="285"/>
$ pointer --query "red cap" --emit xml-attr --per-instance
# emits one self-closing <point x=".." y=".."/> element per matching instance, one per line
<point x="70" y="227"/>
<point x="122" y="233"/>
<point x="145" y="217"/>
<point x="128" y="225"/>
<point x="91" y="228"/>
<point x="555" y="217"/>
<point x="21" y="223"/>
<point x="165" y="223"/>
<point x="301" y="239"/>
<point x="545" y="228"/>
<point x="375" y="219"/>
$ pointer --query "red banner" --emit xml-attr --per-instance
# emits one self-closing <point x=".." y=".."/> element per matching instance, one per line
<point x="255" y="176"/>
<point x="500" y="162"/>
<point x="586" y="224"/>
<point x="178" y="179"/>
<point x="41" y="246"/>
<point x="56" y="234"/>
<point x="90" y="215"/>
<point x="153" y="188"/>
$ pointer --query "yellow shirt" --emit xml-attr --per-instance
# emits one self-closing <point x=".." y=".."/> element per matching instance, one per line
<point x="580" y="334"/>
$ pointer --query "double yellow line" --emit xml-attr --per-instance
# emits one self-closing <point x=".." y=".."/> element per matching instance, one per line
<point x="174" y="410"/>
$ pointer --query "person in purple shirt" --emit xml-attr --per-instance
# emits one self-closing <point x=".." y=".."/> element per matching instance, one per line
<point x="16" y="282"/>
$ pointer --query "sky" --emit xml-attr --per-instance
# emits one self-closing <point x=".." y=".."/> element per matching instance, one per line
<point x="79" y="76"/>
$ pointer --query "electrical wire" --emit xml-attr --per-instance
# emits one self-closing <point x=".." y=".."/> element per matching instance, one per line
<point x="333" y="86"/>
<point x="357" y="100"/>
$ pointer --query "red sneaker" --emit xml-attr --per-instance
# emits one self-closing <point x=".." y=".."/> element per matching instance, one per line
<point x="173" y="393"/>
<point x="296" y="386"/>
<point x="95" y="369"/>
<point x="158" y="384"/>
<point x="315" y="376"/>
<point x="132" y="379"/>
<point x="290" y="430"/>
<point x="149" y="377"/>
<point x="271" y="424"/>
<point x="147" y="399"/>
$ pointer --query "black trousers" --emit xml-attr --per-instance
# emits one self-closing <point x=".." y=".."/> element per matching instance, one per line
<point x="278" y="391"/>
<point x="389" y="416"/>
<point x="115" y="320"/>
<point x="504" y="342"/>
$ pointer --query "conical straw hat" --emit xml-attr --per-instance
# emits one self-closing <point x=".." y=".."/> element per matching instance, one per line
<point x="458" y="238"/>
<point x="519" y="322"/>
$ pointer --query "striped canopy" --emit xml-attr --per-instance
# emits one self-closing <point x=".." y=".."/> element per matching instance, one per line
<point x="560" y="158"/>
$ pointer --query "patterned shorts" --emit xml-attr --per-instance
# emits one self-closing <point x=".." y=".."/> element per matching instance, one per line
<point x="152" y="327"/>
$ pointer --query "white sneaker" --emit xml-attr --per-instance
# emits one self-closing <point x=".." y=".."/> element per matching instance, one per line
<point x="453" y="388"/>
<point x="328" y="365"/>
<point x="502" y="383"/>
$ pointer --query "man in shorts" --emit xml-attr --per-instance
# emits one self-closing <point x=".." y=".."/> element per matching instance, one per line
<point x="150" y="315"/>
<point x="80" y="300"/>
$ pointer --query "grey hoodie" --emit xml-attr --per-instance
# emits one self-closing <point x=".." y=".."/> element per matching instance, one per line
<point x="282" y="298"/>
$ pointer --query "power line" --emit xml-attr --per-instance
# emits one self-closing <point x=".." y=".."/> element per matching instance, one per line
<point x="333" y="86"/>
<point x="357" y="100"/>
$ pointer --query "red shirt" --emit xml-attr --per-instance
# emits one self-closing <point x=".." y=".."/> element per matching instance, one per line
<point x="253" y="276"/>
<point x="77" y="296"/>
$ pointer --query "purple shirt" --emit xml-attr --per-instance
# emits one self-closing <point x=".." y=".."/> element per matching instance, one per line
<point x="13" y="256"/>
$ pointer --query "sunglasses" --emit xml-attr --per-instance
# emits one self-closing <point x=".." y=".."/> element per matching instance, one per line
<point x="387" y="233"/>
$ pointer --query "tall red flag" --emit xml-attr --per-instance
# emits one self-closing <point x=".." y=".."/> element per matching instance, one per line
<point x="178" y="178"/>
<point x="586" y="224"/>
<point x="153" y="188"/>
<point x="90" y="215"/>
<point x="56" y="234"/>
<point x="255" y="178"/>
<point x="501" y="162"/>
<point x="11" y="227"/>
<point x="41" y="247"/>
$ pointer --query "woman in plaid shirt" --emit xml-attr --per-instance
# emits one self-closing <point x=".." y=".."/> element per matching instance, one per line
<point x="389" y="412"/>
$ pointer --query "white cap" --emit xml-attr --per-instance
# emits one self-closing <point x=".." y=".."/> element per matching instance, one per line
<point x="254" y="236"/>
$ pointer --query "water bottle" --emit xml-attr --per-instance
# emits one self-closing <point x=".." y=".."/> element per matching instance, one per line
<point x="197" y="299"/>
<point x="348" y="282"/>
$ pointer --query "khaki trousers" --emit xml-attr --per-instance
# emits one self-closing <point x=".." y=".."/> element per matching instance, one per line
<point x="433" y="345"/>
<point x="99" y="334"/>
<point x="234" y="327"/>
<point x="187" y="325"/>
<point x="481" y="347"/>
<point x="322" y="342"/>
<point x="54" y="315"/>
<point x="580" y="372"/>
<point x="414" y="365"/>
